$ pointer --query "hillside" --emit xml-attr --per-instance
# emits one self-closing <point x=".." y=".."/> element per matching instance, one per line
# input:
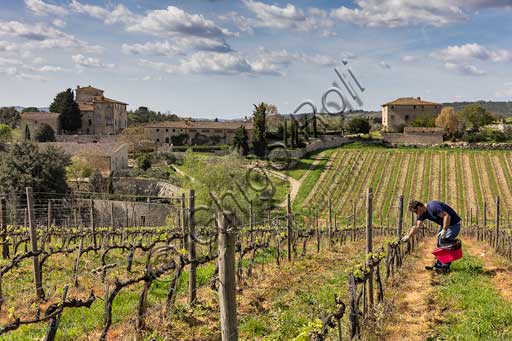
<point x="504" y="108"/>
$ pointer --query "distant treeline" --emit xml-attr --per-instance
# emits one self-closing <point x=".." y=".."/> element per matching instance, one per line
<point x="144" y="115"/>
<point x="504" y="108"/>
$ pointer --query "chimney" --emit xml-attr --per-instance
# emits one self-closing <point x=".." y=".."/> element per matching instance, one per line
<point x="78" y="86"/>
<point x="419" y="98"/>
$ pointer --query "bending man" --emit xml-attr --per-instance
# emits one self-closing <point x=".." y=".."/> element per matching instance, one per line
<point x="442" y="214"/>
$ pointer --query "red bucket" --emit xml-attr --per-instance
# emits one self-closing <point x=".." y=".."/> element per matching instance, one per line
<point x="447" y="256"/>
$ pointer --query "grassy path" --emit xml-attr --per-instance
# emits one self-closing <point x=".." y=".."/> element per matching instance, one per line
<point x="473" y="302"/>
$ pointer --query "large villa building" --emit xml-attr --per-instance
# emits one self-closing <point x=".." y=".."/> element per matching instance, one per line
<point x="100" y="115"/>
<point x="398" y="114"/>
<point x="194" y="132"/>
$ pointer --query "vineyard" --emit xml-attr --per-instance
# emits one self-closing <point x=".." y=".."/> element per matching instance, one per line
<point x="89" y="267"/>
<point x="469" y="181"/>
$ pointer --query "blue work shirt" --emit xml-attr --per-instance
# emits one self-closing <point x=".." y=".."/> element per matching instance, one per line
<point x="434" y="209"/>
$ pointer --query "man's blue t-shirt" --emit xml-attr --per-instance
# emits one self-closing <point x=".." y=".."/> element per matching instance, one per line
<point x="434" y="208"/>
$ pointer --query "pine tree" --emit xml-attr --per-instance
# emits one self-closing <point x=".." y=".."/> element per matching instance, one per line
<point x="285" y="132"/>
<point x="259" y="142"/>
<point x="241" y="141"/>
<point x="27" y="133"/>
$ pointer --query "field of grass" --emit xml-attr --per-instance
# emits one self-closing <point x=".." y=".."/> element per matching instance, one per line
<point x="464" y="179"/>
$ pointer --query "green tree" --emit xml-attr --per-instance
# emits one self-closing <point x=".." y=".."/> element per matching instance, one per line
<point x="144" y="115"/>
<point x="45" y="133"/>
<point x="10" y="116"/>
<point x="285" y="132"/>
<point x="144" y="162"/>
<point x="476" y="116"/>
<point x="77" y="170"/>
<point x="27" y="133"/>
<point x="30" y="109"/>
<point x="241" y="141"/>
<point x="65" y="104"/>
<point x="259" y="142"/>
<point x="25" y="165"/>
<point x="448" y="120"/>
<point x="424" y="120"/>
<point x="5" y="133"/>
<point x="96" y="182"/>
<point x="359" y="125"/>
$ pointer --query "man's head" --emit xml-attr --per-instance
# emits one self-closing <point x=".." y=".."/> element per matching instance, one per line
<point x="417" y="207"/>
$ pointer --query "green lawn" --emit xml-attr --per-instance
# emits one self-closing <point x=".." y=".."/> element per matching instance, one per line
<point x="475" y="311"/>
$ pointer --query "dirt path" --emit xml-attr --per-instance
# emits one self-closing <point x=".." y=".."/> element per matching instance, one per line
<point x="498" y="268"/>
<point x="412" y="314"/>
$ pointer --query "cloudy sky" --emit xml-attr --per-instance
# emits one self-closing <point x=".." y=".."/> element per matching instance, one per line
<point x="215" y="58"/>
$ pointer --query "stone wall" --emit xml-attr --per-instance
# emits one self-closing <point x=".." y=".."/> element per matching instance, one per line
<point x="411" y="138"/>
<point x="145" y="187"/>
<point x="323" y="142"/>
<point x="88" y="138"/>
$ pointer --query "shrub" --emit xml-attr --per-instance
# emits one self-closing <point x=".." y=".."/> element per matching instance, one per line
<point x="359" y="125"/>
<point x="45" y="133"/>
<point x="144" y="162"/>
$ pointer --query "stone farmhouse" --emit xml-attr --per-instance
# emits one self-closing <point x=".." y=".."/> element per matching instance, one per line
<point x="400" y="112"/>
<point x="179" y="133"/>
<point x="100" y="115"/>
<point x="36" y="120"/>
<point x="106" y="157"/>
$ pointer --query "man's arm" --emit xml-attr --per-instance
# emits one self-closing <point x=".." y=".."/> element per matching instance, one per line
<point x="446" y="219"/>
<point x="414" y="230"/>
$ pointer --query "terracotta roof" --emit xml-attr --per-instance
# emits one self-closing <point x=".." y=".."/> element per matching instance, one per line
<point x="88" y="88"/>
<point x="103" y="99"/>
<point x="34" y="115"/>
<point x="200" y="125"/>
<point x="423" y="130"/>
<point x="410" y="101"/>
<point x="85" y="149"/>
<point x="86" y="106"/>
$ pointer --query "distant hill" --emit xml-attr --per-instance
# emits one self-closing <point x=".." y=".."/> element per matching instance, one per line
<point x="504" y="108"/>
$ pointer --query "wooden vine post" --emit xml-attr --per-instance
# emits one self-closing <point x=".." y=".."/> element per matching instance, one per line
<point x="50" y="218"/>
<point x="183" y="222"/>
<point x="400" y="216"/>
<point x="251" y="222"/>
<point x="191" y="248"/>
<point x="369" y="246"/>
<point x="227" y="281"/>
<point x="33" y="241"/>
<point x="485" y="213"/>
<point x="289" y="226"/>
<point x="497" y="222"/>
<point x="329" y="231"/>
<point x="92" y="223"/>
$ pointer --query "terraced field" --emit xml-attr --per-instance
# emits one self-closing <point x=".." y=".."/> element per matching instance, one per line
<point x="464" y="179"/>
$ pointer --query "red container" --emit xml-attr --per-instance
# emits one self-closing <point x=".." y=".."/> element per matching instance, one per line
<point x="447" y="256"/>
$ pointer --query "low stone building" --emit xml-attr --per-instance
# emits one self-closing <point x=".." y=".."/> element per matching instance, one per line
<point x="36" y="120"/>
<point x="100" y="115"/>
<point x="106" y="157"/>
<point x="179" y="133"/>
<point x="402" y="111"/>
<point x="416" y="135"/>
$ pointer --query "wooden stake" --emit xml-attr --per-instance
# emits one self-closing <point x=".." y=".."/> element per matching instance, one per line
<point x="369" y="246"/>
<point x="191" y="248"/>
<point x="33" y="241"/>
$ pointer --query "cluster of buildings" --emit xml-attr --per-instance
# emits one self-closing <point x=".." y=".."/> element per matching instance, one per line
<point x="398" y="115"/>
<point x="103" y="119"/>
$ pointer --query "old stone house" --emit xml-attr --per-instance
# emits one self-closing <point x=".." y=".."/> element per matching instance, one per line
<point x="106" y="157"/>
<point x="400" y="112"/>
<point x="36" y="120"/>
<point x="194" y="132"/>
<point x="100" y="115"/>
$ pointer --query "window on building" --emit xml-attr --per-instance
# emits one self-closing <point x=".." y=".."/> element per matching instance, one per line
<point x="166" y="130"/>
<point x="90" y="122"/>
<point x="157" y="129"/>
<point x="414" y="107"/>
<point x="166" y="140"/>
<point x="157" y="140"/>
<point x="406" y="118"/>
<point x="174" y="130"/>
<point x="392" y="107"/>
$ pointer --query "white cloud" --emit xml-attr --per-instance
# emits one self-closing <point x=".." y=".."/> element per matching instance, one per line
<point x="214" y="63"/>
<point x="409" y="59"/>
<point x="473" y="52"/>
<point x="90" y="62"/>
<point x="384" y="65"/>
<point x="177" y="46"/>
<point x="504" y="93"/>
<point x="42" y="36"/>
<point x="59" y="23"/>
<point x="9" y="61"/>
<point x="41" y="8"/>
<point x="174" y="21"/>
<point x="288" y="17"/>
<point x="464" y="69"/>
<point x="6" y="46"/>
<point x="120" y="14"/>
<point x="18" y="74"/>
<point x="396" y="13"/>
<point x="49" y="68"/>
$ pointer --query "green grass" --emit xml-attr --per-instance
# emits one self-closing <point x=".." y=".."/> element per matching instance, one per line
<point x="475" y="310"/>
<point x="309" y="182"/>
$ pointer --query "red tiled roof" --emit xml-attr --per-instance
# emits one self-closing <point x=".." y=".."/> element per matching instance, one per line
<point x="200" y="125"/>
<point x="409" y="101"/>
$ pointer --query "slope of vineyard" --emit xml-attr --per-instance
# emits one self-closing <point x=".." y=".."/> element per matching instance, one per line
<point x="464" y="179"/>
